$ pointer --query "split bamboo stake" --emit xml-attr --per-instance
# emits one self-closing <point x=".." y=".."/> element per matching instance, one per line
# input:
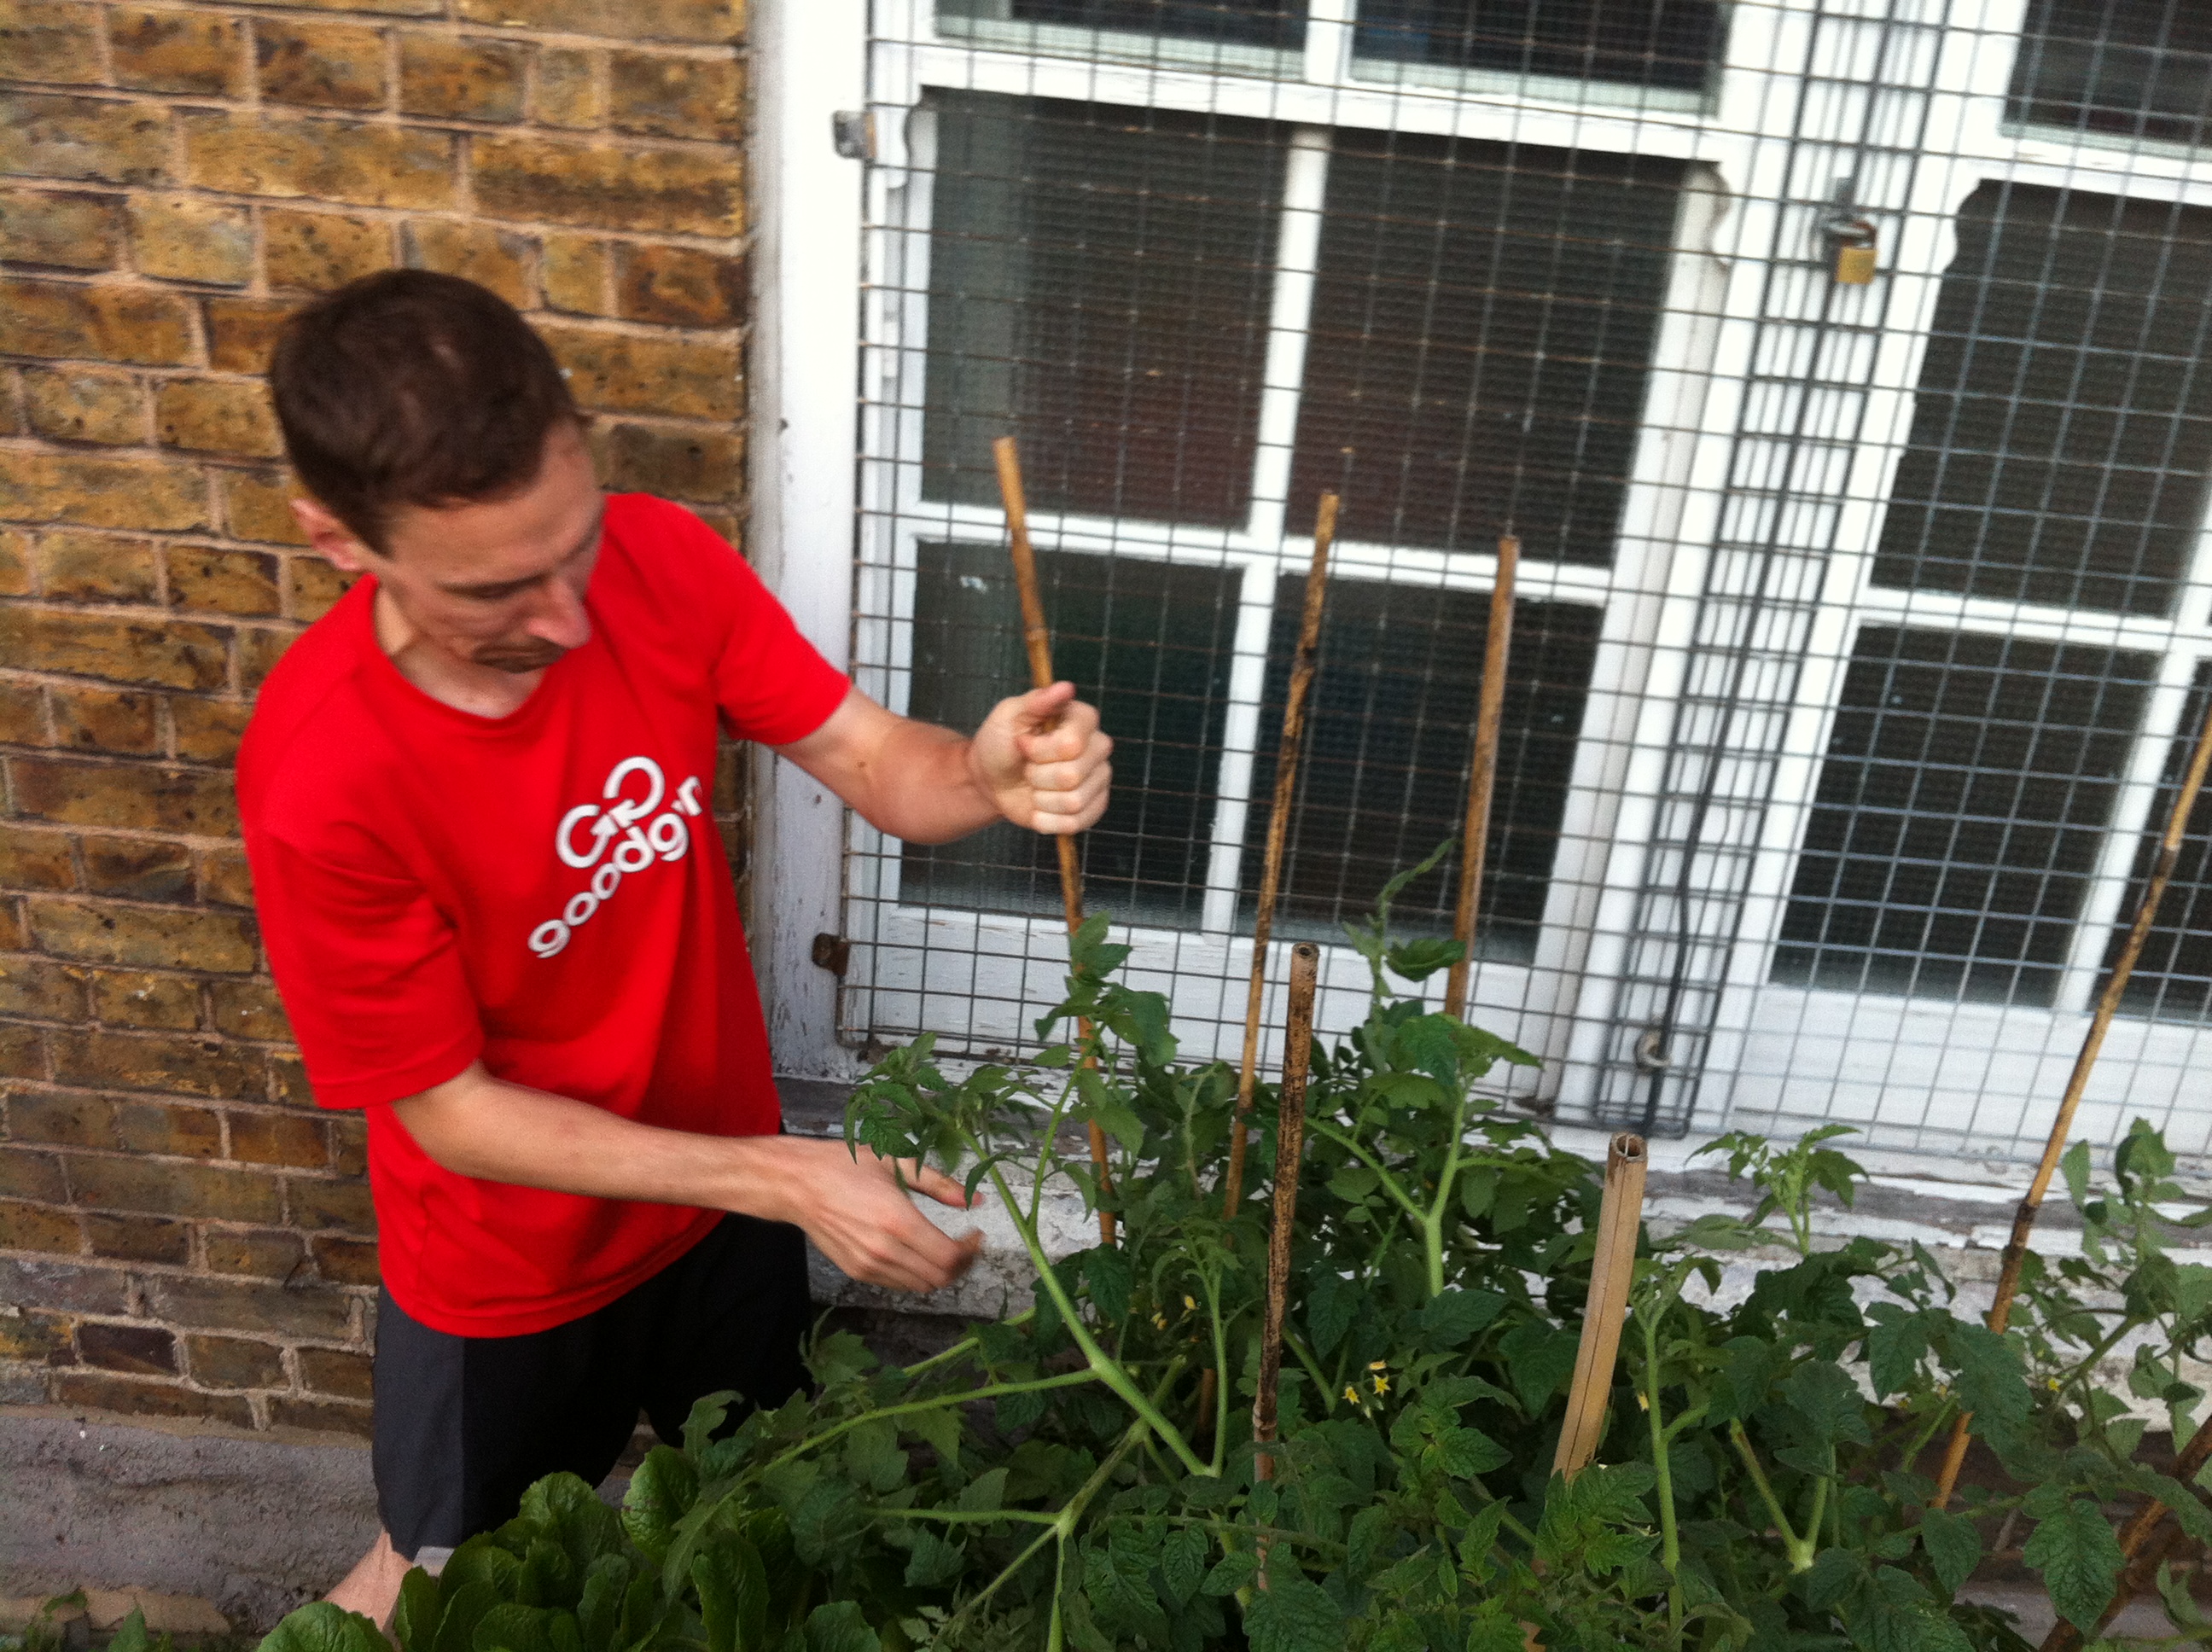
<point x="1038" y="640"/>
<point x="1302" y="665"/>
<point x="1490" y="715"/>
<point x="1612" y="1270"/>
<point x="1290" y="1151"/>
<point x="2143" y="1562"/>
<point x="2108" y="1004"/>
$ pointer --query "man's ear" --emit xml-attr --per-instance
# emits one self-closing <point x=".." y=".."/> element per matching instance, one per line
<point x="331" y="538"/>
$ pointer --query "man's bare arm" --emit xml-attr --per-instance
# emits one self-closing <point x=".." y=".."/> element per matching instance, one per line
<point x="855" y="1210"/>
<point x="929" y="784"/>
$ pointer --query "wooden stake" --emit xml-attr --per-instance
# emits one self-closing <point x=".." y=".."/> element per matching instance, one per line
<point x="2093" y="1041"/>
<point x="1612" y="1270"/>
<point x="1490" y="714"/>
<point x="1038" y="640"/>
<point x="2143" y="1562"/>
<point x="1290" y="1151"/>
<point x="1287" y="748"/>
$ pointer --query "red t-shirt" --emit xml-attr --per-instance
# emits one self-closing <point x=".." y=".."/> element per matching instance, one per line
<point x="546" y="891"/>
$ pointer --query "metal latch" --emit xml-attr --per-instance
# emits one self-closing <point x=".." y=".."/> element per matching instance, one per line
<point x="853" y="133"/>
<point x="834" y="953"/>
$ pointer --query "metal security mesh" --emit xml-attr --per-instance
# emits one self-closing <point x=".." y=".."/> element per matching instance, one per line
<point x="1838" y="365"/>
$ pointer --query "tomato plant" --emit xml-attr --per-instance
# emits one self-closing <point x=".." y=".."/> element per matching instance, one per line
<point x="1082" y="1473"/>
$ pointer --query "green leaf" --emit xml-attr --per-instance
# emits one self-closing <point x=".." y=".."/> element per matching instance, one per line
<point x="2074" y="1165"/>
<point x="1991" y="1381"/>
<point x="2073" y="1548"/>
<point x="661" y="1492"/>
<point x="933" y="1560"/>
<point x="1183" y="1561"/>
<point x="415" y="1618"/>
<point x="1463" y="1452"/>
<point x="1451" y="1317"/>
<point x="130" y="1633"/>
<point x="321" y="1627"/>
<point x="466" y="1606"/>
<point x="873" y="1456"/>
<point x="1954" y="1547"/>
<point x="1539" y="1356"/>
<point x="1293" y="1614"/>
<point x="513" y="1628"/>
<point x="940" y="1430"/>
<point x="708" y="1412"/>
<point x="1823" y="1393"/>
<point x="1894" y="1348"/>
<point x="840" y="1626"/>
<point x="1894" y="1615"/>
<point x="1417" y="960"/>
<point x="1494" y="1629"/>
<point x="1332" y="1304"/>
<point x="1106" y="1275"/>
<point x="983" y="1494"/>
<point x="1230" y="1573"/>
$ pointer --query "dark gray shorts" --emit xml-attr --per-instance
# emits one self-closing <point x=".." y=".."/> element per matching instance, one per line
<point x="465" y="1425"/>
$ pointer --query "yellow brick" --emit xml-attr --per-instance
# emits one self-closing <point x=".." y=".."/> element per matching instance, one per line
<point x="103" y="492"/>
<point x="198" y="54"/>
<point x="50" y="41"/>
<point x="666" y="97"/>
<point x="683" y="377"/>
<point x="210" y="416"/>
<point x="461" y="79"/>
<point x="82" y="405"/>
<point x="178" y="238"/>
<point x="313" y="586"/>
<point x="65" y="227"/>
<point x="241" y="331"/>
<point x="315" y="252"/>
<point x="688" y="192"/>
<point x="697" y="23"/>
<point x="242" y="582"/>
<point x="328" y="160"/>
<point x="571" y="90"/>
<point x="44" y="137"/>
<point x="106" y="719"/>
<point x="208" y="731"/>
<point x="96" y="568"/>
<point x="107" y="323"/>
<point x="574" y="271"/>
<point x="327" y="65"/>
<point x="490" y="257"/>
<point x="256" y="504"/>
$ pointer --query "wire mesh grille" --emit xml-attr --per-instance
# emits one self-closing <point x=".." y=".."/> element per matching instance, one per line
<point x="1836" y="365"/>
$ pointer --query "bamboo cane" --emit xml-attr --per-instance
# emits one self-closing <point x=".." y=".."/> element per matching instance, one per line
<point x="1612" y="1270"/>
<point x="1290" y="1150"/>
<point x="2143" y="1562"/>
<point x="1302" y="665"/>
<point x="1038" y="640"/>
<point x="2108" y="1004"/>
<point x="1490" y="715"/>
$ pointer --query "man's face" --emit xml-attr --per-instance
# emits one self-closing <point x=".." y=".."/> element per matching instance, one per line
<point x="499" y="584"/>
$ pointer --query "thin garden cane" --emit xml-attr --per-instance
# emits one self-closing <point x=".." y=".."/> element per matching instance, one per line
<point x="1289" y="1152"/>
<point x="1482" y="784"/>
<point x="1038" y="640"/>
<point x="1612" y="1270"/>
<point x="2143" y="1557"/>
<point x="2108" y="1004"/>
<point x="1302" y="665"/>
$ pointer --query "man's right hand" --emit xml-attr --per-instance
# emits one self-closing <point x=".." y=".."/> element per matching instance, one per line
<point x="860" y="1216"/>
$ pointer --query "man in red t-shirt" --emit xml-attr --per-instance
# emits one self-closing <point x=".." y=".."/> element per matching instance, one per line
<point x="476" y="799"/>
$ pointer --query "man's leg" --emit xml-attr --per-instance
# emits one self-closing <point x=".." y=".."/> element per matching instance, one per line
<point x="733" y="1314"/>
<point x="464" y="1426"/>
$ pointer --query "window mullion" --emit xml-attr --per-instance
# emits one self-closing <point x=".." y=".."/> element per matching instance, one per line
<point x="1240" y="739"/>
<point x="1297" y="244"/>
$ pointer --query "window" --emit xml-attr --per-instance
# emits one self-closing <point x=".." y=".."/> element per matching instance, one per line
<point x="2172" y="978"/>
<point x="1962" y="806"/>
<point x="2129" y="69"/>
<point x="1483" y="323"/>
<point x="1654" y="43"/>
<point x="2065" y="419"/>
<point x="1389" y="754"/>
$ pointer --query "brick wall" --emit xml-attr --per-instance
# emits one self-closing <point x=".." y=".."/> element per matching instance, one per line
<point x="181" y="1233"/>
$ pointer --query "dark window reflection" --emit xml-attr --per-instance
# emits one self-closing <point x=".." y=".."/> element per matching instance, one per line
<point x="1280" y="24"/>
<point x="2172" y="978"/>
<point x="1967" y="786"/>
<point x="1659" y="43"/>
<point x="1100" y="281"/>
<point x="2133" y="67"/>
<point x="1390" y="743"/>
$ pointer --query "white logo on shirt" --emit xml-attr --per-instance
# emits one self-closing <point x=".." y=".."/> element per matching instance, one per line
<point x="611" y="840"/>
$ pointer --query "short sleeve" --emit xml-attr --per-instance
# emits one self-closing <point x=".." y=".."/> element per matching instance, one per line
<point x="772" y="685"/>
<point x="371" y="976"/>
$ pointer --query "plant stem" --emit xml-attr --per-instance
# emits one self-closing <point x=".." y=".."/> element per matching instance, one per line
<point x="1432" y="1220"/>
<point x="990" y="1390"/>
<point x="1213" y="1286"/>
<point x="1351" y="1145"/>
<point x="970" y="1516"/>
<point x="1107" y="1369"/>
<point x="1670" y="1539"/>
<point x="1801" y="1557"/>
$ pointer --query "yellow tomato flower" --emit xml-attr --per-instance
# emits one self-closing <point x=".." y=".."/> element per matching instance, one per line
<point x="1381" y="1385"/>
<point x="1352" y="1393"/>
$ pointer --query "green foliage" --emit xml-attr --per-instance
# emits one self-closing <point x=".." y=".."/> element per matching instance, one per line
<point x="1084" y="1475"/>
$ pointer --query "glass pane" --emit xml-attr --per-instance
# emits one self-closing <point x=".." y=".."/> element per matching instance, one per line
<point x="1099" y="287"/>
<point x="2172" y="978"/>
<point x="2064" y="424"/>
<point x="1670" y="43"/>
<point x="1968" y="782"/>
<point x="2135" y="68"/>
<point x="1149" y="645"/>
<point x="1482" y="336"/>
<point x="1278" y="25"/>
<point x="1390" y="741"/>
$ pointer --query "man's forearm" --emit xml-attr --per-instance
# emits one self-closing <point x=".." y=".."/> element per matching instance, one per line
<point x="476" y="1125"/>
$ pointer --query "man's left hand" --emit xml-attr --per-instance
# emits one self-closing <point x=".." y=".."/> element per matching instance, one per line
<point x="1041" y="759"/>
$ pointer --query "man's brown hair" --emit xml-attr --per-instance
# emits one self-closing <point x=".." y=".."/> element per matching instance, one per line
<point x="410" y="388"/>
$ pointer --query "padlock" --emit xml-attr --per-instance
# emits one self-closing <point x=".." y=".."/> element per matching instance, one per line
<point x="1855" y="265"/>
